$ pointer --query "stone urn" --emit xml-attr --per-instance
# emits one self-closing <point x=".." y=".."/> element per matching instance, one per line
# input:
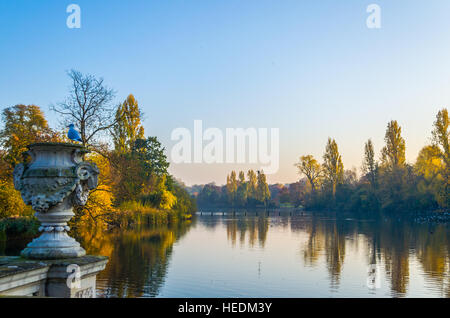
<point x="53" y="180"/>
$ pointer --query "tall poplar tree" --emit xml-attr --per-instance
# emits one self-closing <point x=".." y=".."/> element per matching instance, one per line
<point x="393" y="154"/>
<point x="370" y="165"/>
<point x="252" y="182"/>
<point x="441" y="140"/>
<point x="396" y="178"/>
<point x="242" y="192"/>
<point x="333" y="166"/>
<point x="232" y="187"/>
<point x="262" y="190"/>
<point x="128" y="127"/>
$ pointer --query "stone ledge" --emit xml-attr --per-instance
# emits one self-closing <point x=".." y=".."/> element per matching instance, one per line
<point x="80" y="261"/>
<point x="24" y="277"/>
<point x="12" y="265"/>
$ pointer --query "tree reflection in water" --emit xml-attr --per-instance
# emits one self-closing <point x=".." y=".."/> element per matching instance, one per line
<point x="138" y="257"/>
<point x="391" y="240"/>
<point x="255" y="228"/>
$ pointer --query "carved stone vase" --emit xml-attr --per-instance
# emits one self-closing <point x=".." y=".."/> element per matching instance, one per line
<point x="54" y="180"/>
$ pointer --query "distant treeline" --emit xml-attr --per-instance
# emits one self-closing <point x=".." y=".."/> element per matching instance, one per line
<point x="237" y="193"/>
<point x="387" y="184"/>
<point x="133" y="168"/>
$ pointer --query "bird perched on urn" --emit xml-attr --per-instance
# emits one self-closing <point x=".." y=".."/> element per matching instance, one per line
<point x="73" y="134"/>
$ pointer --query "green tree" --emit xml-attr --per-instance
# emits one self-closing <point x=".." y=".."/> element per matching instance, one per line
<point x="138" y="172"/>
<point x="185" y="204"/>
<point x="127" y="176"/>
<point x="242" y="191"/>
<point x="309" y="167"/>
<point x="150" y="154"/>
<point x="396" y="178"/>
<point x="262" y="190"/>
<point x="252" y="183"/>
<point x="128" y="127"/>
<point x="333" y="167"/>
<point x="232" y="187"/>
<point x="370" y="165"/>
<point x="393" y="154"/>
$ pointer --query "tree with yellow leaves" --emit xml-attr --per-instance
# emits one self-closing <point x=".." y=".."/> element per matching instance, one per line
<point x="430" y="167"/>
<point x="333" y="167"/>
<point x="262" y="189"/>
<point x="311" y="168"/>
<point x="24" y="125"/>
<point x="393" y="154"/>
<point x="441" y="135"/>
<point x="232" y="187"/>
<point x="100" y="202"/>
<point x="128" y="127"/>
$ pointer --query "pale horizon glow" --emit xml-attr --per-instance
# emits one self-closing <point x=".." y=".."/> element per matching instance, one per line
<point x="311" y="69"/>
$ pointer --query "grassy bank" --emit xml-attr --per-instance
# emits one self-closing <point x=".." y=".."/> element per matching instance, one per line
<point x="134" y="213"/>
<point x="129" y="214"/>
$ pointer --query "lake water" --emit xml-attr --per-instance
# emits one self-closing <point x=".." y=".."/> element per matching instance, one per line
<point x="279" y="255"/>
<point x="282" y="254"/>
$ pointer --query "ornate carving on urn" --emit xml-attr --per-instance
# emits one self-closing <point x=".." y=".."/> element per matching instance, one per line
<point x="53" y="182"/>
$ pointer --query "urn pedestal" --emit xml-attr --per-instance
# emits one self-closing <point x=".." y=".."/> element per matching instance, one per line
<point x="52" y="181"/>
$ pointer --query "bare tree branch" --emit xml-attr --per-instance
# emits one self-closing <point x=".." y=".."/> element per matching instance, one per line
<point x="88" y="106"/>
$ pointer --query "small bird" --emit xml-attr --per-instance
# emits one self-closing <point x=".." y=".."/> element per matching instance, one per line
<point x="73" y="134"/>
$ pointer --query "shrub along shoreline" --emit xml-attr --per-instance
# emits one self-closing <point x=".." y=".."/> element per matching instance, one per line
<point x="18" y="228"/>
<point x="128" y="216"/>
<point x="136" y="213"/>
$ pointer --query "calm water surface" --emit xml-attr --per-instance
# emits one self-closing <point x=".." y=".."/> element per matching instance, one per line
<point x="280" y="255"/>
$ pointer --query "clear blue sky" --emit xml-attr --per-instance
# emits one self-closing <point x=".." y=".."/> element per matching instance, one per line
<point x="311" y="68"/>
